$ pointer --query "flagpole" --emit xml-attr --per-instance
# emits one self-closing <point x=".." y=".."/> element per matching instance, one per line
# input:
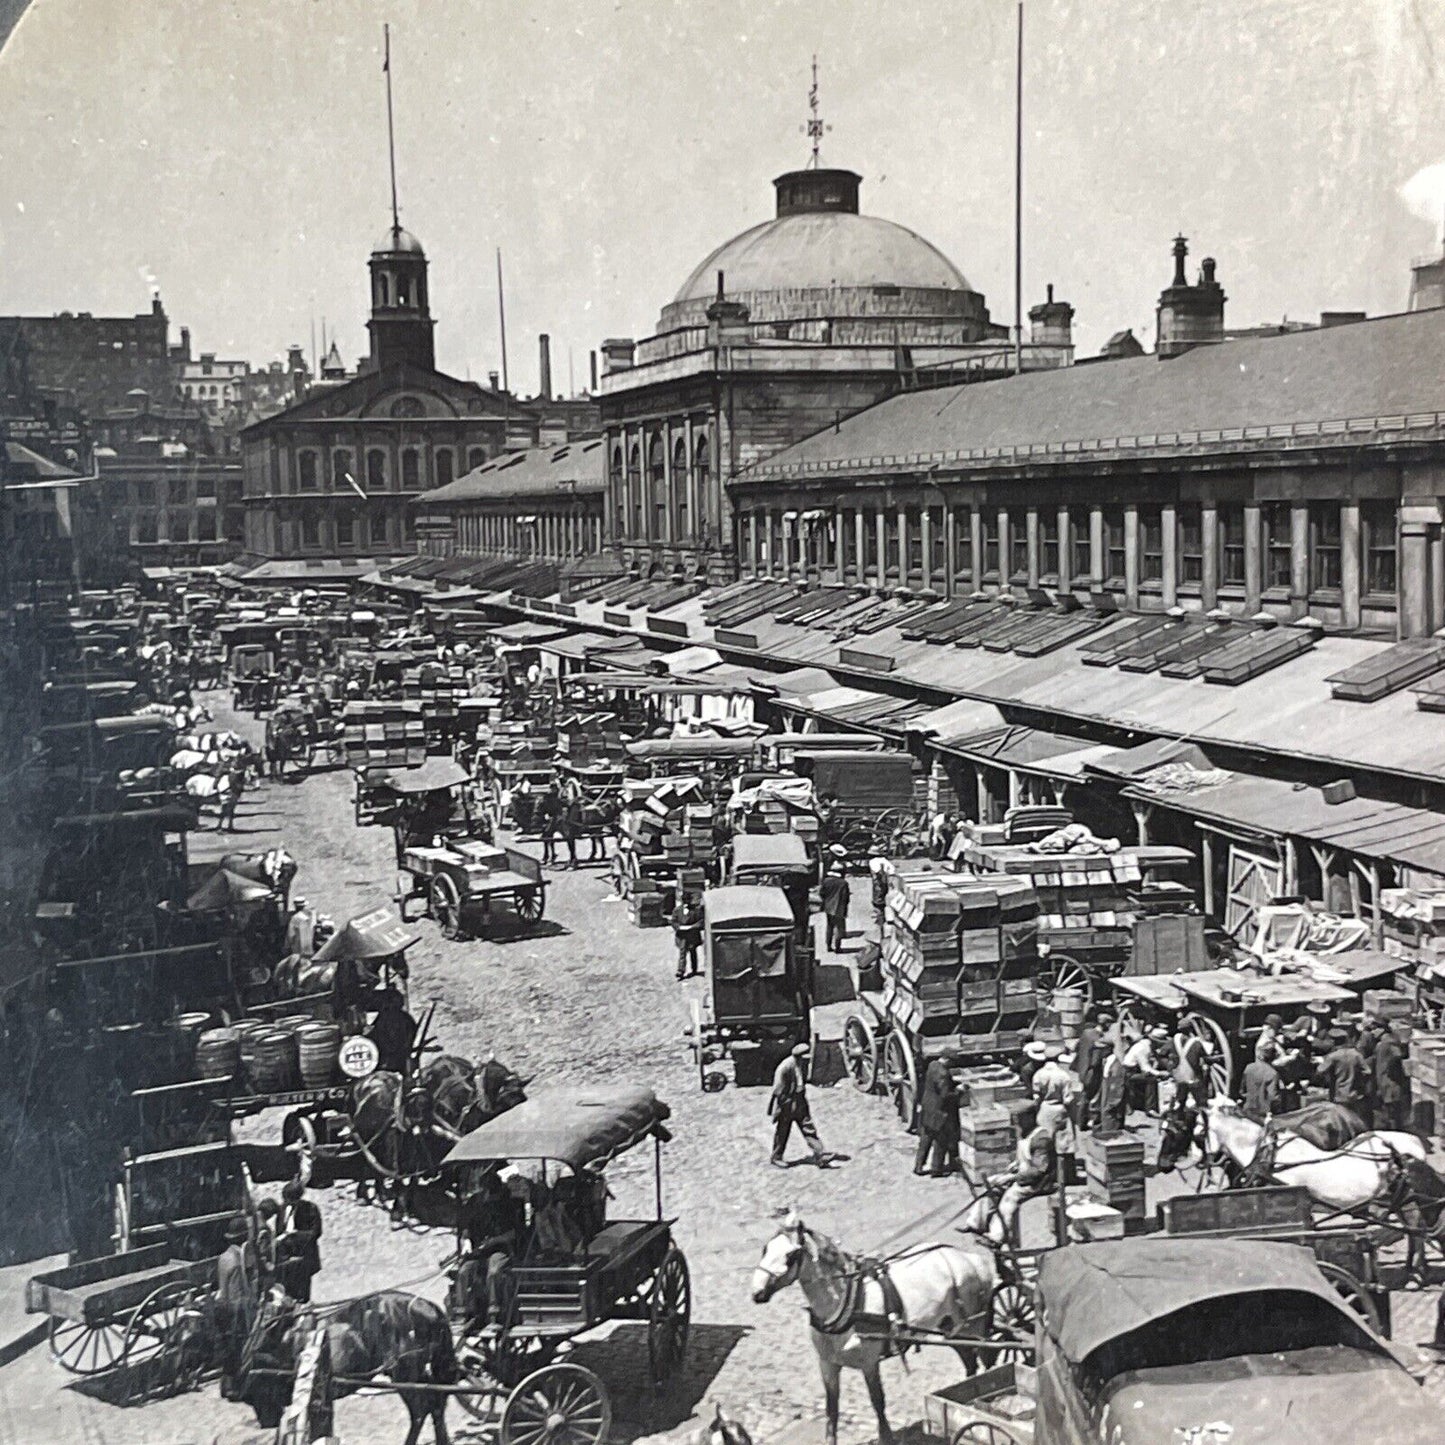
<point x="1019" y="199"/>
<point x="390" y="126"/>
<point x="502" y="319"/>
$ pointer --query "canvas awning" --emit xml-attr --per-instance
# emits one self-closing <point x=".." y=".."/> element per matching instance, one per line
<point x="224" y="889"/>
<point x="577" y="1127"/>
<point x="434" y="775"/>
<point x="377" y="934"/>
<point x="944" y="725"/>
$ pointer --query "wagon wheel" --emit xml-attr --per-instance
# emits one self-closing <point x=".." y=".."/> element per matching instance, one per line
<point x="1011" y="1317"/>
<point x="669" y="1316"/>
<point x="699" y="1051"/>
<point x="165" y="1344"/>
<point x="298" y="1134"/>
<point x="531" y="903"/>
<point x="86" y="1349"/>
<point x="983" y="1432"/>
<point x="496" y="1365"/>
<point x="445" y="903"/>
<point x="1063" y="973"/>
<point x="1354" y="1294"/>
<point x="860" y="1053"/>
<point x="900" y="1070"/>
<point x="557" y="1405"/>
<point x="1221" y="1056"/>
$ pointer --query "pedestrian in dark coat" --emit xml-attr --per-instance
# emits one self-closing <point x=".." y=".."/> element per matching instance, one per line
<point x="836" y="897"/>
<point x="1113" y="1094"/>
<point x="1347" y="1076"/>
<point x="298" y="1251"/>
<point x="1392" y="1084"/>
<point x="687" y="923"/>
<point x="789" y="1106"/>
<point x="938" y="1122"/>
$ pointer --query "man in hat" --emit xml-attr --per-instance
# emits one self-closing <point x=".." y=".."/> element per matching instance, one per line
<point x="937" y="1121"/>
<point x="1392" y="1084"/>
<point x="878" y="885"/>
<point x="393" y="1031"/>
<point x="1191" y="1070"/>
<point x="789" y="1106"/>
<point x="1035" y="1053"/>
<point x="298" y="1250"/>
<point x="687" y="933"/>
<point x="836" y="897"/>
<point x="300" y="930"/>
<point x="1089" y="1051"/>
<point x="1344" y="1072"/>
<point x="238" y="1288"/>
<point x="1259" y="1085"/>
<point x="1035" y="1172"/>
<point x="1269" y="1035"/>
<point x="1055" y="1087"/>
<point x="1142" y="1071"/>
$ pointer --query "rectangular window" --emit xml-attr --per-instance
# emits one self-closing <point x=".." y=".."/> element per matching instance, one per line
<point x="1049" y="545"/>
<point x="205" y="486"/>
<point x="1081" y="541"/>
<point x="1274" y="521"/>
<point x="340" y="470"/>
<point x="990" y="546"/>
<point x="180" y="527"/>
<point x="410" y="470"/>
<point x="444" y="466"/>
<point x="306" y="465"/>
<point x="1191" y="544"/>
<point x="963" y="545"/>
<point x="145" y="493"/>
<point x="145" y="529"/>
<point x="915" y="547"/>
<point x="378" y="528"/>
<point x="1324" y="546"/>
<point x="1231" y="546"/>
<point x="1018" y="545"/>
<point x="1114" y="546"/>
<point x="1151" y="545"/>
<point x="205" y="526"/>
<point x="310" y="530"/>
<point x="937" y="545"/>
<point x="345" y="528"/>
<point x="890" y="545"/>
<point x="1377" y="535"/>
<point x="176" y="491"/>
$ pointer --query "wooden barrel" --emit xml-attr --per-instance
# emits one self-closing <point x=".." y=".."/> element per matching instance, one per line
<point x="218" y="1054"/>
<point x="318" y="1045"/>
<point x="273" y="1069"/>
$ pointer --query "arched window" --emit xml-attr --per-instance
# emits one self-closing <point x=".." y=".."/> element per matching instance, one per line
<point x="680" y="481"/>
<point x="345" y="527"/>
<point x="384" y="289"/>
<point x="377" y="528"/>
<point x="634" y="492"/>
<point x="306" y="471"/>
<point x="410" y="469"/>
<point x="702" y="476"/>
<point x="340" y="467"/>
<point x="376" y="470"/>
<point x="614" y="490"/>
<point x="444" y="462"/>
<point x="476" y="457"/>
<point x="657" y="481"/>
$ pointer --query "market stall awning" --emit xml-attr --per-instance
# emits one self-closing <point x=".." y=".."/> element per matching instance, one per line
<point x="377" y="934"/>
<point x="1031" y="750"/>
<point x="968" y="718"/>
<point x="799" y="682"/>
<point x="577" y="1127"/>
<point x="689" y="660"/>
<point x="526" y="633"/>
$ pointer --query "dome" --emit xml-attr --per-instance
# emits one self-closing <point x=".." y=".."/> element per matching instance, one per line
<point x="397" y="241"/>
<point x="823" y="250"/>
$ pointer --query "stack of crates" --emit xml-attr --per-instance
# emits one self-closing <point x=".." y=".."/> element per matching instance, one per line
<point x="1414" y="926"/>
<point x="1426" y="1067"/>
<point x="1114" y="1171"/>
<point x="985" y="1141"/>
<point x="383" y="734"/>
<point x="647" y="905"/>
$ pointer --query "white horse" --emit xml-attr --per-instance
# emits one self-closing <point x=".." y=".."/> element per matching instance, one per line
<point x="855" y="1304"/>
<point x="1343" y="1179"/>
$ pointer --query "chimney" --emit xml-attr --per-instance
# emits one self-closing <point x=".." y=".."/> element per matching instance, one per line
<point x="617" y="353"/>
<point x="495" y="378"/>
<point x="1339" y="318"/>
<point x="592" y="362"/>
<point x="727" y="320"/>
<point x="1051" y="324"/>
<point x="185" y="343"/>
<point x="1189" y="316"/>
<point x="544" y="367"/>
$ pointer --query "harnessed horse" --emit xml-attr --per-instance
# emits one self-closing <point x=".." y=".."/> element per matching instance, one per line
<point x="862" y="1311"/>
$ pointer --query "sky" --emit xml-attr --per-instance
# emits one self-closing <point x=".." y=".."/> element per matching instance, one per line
<point x="234" y="154"/>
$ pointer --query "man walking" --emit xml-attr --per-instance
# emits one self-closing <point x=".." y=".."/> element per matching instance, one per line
<point x="238" y="1289"/>
<point x="836" y="897"/>
<point x="789" y="1105"/>
<point x="1345" y="1074"/>
<point x="1259" y="1085"/>
<point x="1392" y="1084"/>
<point x="687" y="930"/>
<point x="938" y="1122"/>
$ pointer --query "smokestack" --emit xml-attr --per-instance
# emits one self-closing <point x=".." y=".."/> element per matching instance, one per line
<point x="544" y="366"/>
<point x="592" y="361"/>
<point x="495" y="378"/>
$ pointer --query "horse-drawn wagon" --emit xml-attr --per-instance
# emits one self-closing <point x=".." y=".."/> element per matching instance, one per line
<point x="867" y="800"/>
<point x="464" y="881"/>
<point x="759" y="1000"/>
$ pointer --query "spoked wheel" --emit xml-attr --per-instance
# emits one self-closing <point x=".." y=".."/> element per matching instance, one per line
<point x="496" y="1366"/>
<point x="1353" y="1293"/>
<point x="860" y="1053"/>
<point x="900" y="1069"/>
<point x="166" y="1350"/>
<point x="558" y="1405"/>
<point x="1012" y="1319"/>
<point x="445" y="903"/>
<point x="1065" y="974"/>
<point x="983" y="1432"/>
<point x="1220" y="1062"/>
<point x="86" y="1349"/>
<point x="531" y="904"/>
<point x="669" y="1316"/>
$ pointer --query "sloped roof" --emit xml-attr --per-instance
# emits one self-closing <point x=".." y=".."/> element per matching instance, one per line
<point x="1393" y="366"/>
<point x="572" y="468"/>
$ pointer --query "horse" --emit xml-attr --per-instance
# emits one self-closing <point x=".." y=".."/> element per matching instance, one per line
<point x="593" y="822"/>
<point x="856" y="1305"/>
<point x="1347" y="1179"/>
<point x="402" y="1336"/>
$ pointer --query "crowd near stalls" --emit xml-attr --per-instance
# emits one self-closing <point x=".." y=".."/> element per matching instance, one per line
<point x="1057" y="1009"/>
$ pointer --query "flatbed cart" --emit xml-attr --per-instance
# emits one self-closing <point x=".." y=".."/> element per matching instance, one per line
<point x="465" y="882"/>
<point x="120" y="1313"/>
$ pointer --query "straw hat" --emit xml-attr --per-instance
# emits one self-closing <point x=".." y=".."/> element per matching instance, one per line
<point x="1037" y="1050"/>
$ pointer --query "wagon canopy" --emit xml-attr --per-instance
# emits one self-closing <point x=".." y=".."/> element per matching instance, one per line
<point x="224" y="889"/>
<point x="746" y="905"/>
<point x="433" y="776"/>
<point x="860" y="779"/>
<point x="576" y="1127"/>
<point x="770" y="852"/>
<point x="377" y="934"/>
<point x="702" y="748"/>
<point x="1094" y="1294"/>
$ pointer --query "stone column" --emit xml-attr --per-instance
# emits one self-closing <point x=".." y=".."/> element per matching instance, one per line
<point x="1169" y="537"/>
<point x="1437" y="579"/>
<point x="1098" y="562"/>
<point x="975" y="549"/>
<point x="1132" y="557"/>
<point x="694" y="502"/>
<point x="903" y="546"/>
<point x="1209" y="555"/>
<point x="789" y="526"/>
<point x="950" y="550"/>
<point x="1253" y="558"/>
<point x="1066" y="550"/>
<point x="1033" y="541"/>
<point x="1351" y="565"/>
<point x="1299" y="559"/>
<point x="925" y="535"/>
<point x="839" y="553"/>
<point x="880" y="529"/>
<point x="860" y="550"/>
<point x="1414" y="571"/>
<point x="1005" y="549"/>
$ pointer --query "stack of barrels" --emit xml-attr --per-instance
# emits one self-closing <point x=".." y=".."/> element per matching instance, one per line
<point x="271" y="1057"/>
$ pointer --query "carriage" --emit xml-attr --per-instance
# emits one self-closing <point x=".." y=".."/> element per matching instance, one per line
<point x="760" y="982"/>
<point x="614" y="1269"/>
<point x="866" y="799"/>
<point x="1226" y="1007"/>
<point x="465" y="880"/>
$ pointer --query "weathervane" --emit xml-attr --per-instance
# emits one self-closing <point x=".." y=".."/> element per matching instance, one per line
<point x="815" y="128"/>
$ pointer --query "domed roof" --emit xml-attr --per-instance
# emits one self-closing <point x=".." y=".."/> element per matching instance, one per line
<point x="818" y="250"/>
<point x="397" y="241"/>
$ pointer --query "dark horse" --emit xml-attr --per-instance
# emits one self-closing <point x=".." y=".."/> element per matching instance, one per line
<point x="402" y="1336"/>
<point x="594" y="823"/>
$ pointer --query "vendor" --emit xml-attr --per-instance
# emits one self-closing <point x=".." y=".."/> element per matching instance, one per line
<point x="1144" y="1067"/>
<point x="393" y="1031"/>
<point x="1035" y="1172"/>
